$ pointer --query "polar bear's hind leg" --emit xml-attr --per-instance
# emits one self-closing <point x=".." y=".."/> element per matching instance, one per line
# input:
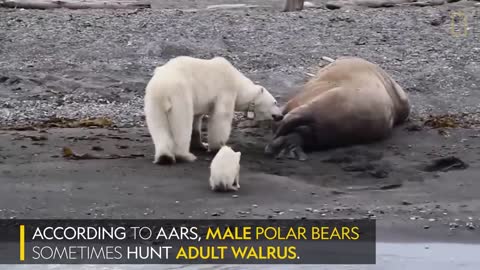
<point x="181" y="124"/>
<point x="159" y="129"/>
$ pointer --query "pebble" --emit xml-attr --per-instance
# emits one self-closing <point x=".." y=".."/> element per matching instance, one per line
<point x="234" y="196"/>
<point x="453" y="225"/>
<point x="470" y="226"/>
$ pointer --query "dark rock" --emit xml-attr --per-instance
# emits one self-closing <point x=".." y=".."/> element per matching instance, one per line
<point x="361" y="41"/>
<point x="97" y="148"/>
<point x="359" y="167"/>
<point x="333" y="6"/>
<point x="379" y="173"/>
<point x="446" y="164"/>
<point x="376" y="4"/>
<point x="37" y="138"/>
<point x="438" y="21"/>
<point x="390" y="186"/>
<point x="414" y="127"/>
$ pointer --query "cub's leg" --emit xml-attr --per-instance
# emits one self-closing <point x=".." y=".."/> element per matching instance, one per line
<point x="181" y="123"/>
<point x="220" y="124"/>
<point x="236" y="182"/>
<point x="212" y="183"/>
<point x="196" y="140"/>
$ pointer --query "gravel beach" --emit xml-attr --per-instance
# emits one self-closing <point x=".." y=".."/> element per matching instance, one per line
<point x="78" y="64"/>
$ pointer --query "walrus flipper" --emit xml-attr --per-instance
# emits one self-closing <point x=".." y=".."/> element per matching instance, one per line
<point x="289" y="138"/>
<point x="291" y="121"/>
<point x="295" y="152"/>
<point x="291" y="145"/>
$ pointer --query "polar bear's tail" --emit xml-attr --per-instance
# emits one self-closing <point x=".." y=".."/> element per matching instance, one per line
<point x="156" y="116"/>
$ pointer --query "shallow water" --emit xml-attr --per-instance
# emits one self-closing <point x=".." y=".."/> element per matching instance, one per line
<point x="390" y="256"/>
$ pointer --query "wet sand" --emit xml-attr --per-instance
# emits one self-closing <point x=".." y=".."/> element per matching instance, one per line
<point x="80" y="64"/>
<point x="386" y="181"/>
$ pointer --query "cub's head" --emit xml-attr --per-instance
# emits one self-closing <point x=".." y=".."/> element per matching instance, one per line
<point x="265" y="106"/>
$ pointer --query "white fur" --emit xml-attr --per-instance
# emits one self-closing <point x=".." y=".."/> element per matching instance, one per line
<point x="225" y="170"/>
<point x="186" y="88"/>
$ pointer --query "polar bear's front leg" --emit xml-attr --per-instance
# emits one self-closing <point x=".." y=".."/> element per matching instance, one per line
<point x="196" y="140"/>
<point x="220" y="124"/>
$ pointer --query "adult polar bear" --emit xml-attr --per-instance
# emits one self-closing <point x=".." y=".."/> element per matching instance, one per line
<point x="185" y="89"/>
<point x="350" y="101"/>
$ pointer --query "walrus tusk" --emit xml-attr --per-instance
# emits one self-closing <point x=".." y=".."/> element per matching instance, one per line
<point x="328" y="59"/>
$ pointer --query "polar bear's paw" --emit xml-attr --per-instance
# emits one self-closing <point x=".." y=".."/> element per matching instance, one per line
<point x="187" y="157"/>
<point x="224" y="188"/>
<point x="164" y="160"/>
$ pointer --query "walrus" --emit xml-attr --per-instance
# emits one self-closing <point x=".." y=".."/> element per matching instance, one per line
<point x="349" y="101"/>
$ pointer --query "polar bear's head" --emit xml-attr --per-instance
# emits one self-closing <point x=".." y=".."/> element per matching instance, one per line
<point x="265" y="106"/>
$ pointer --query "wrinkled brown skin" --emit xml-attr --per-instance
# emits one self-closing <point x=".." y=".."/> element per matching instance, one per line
<point x="350" y="101"/>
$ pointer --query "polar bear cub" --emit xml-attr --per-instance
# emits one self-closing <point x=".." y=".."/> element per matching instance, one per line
<point x="185" y="89"/>
<point x="225" y="170"/>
